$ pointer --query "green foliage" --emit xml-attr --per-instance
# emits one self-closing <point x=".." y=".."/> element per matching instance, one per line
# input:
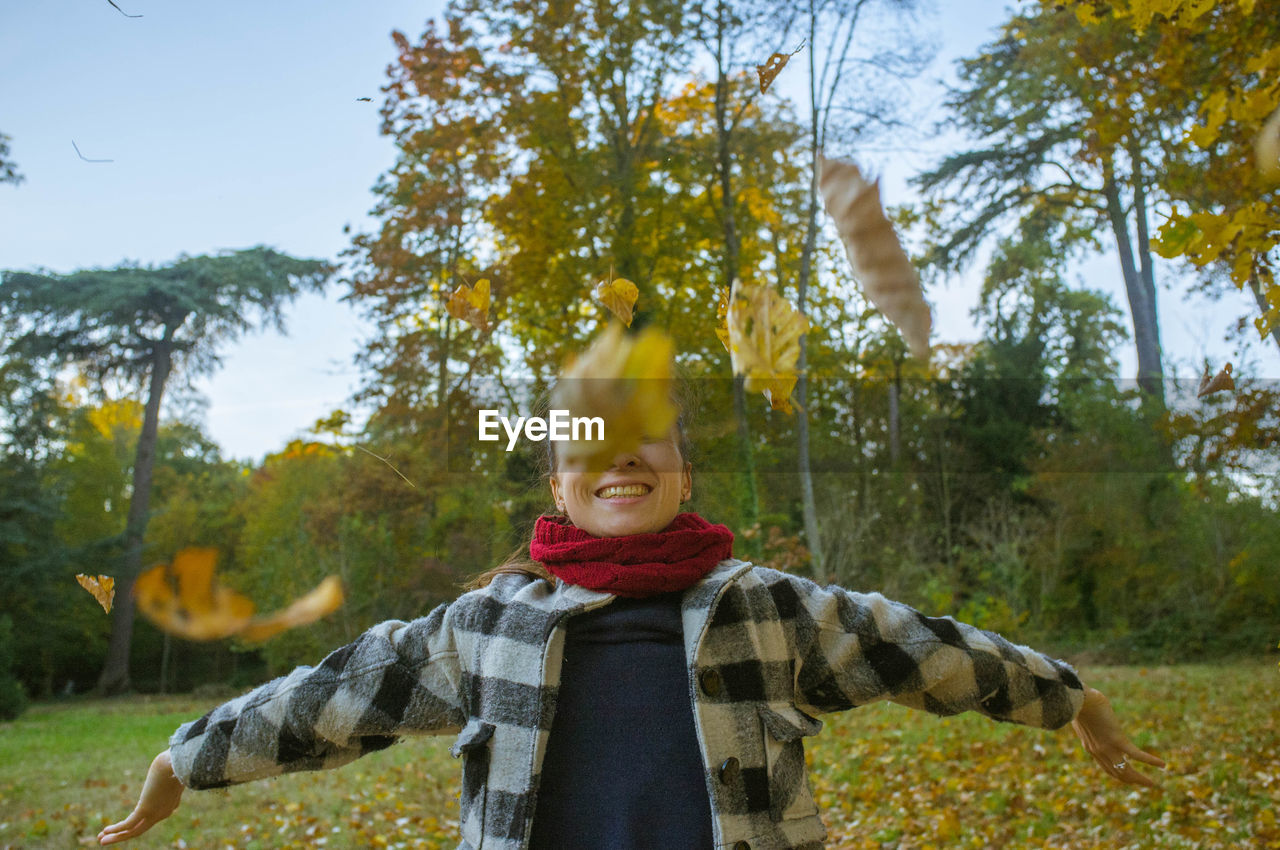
<point x="13" y="699"/>
<point x="8" y="169"/>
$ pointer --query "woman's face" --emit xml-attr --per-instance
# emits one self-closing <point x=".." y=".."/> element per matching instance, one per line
<point x="639" y="493"/>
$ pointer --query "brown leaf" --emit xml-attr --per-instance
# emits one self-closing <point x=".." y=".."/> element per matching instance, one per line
<point x="619" y="295"/>
<point x="471" y="305"/>
<point x="773" y="66"/>
<point x="1217" y="383"/>
<point x="764" y="342"/>
<point x="887" y="277"/>
<point x="103" y="589"/>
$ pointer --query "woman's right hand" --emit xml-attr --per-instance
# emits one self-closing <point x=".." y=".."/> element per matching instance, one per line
<point x="161" y="793"/>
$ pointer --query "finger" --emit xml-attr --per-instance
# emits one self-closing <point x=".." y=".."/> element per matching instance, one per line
<point x="1133" y="777"/>
<point x="1145" y="757"/>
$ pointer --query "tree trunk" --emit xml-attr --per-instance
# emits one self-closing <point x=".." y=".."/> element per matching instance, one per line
<point x="115" y="672"/>
<point x="749" y="501"/>
<point x="1142" y="307"/>
<point x="811" y="532"/>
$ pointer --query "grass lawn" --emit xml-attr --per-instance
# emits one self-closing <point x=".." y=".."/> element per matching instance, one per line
<point x="886" y="778"/>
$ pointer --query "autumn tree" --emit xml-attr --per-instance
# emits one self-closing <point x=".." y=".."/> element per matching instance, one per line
<point x="1225" y="201"/>
<point x="1071" y="137"/>
<point x="141" y="324"/>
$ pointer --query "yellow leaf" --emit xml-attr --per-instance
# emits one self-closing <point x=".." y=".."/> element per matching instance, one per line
<point x="626" y="381"/>
<point x="881" y="266"/>
<point x="722" y="316"/>
<point x="103" y="589"/>
<point x="1086" y="15"/>
<point x="471" y="305"/>
<point x="202" y="609"/>
<point x="619" y="295"/>
<point x="764" y="342"/>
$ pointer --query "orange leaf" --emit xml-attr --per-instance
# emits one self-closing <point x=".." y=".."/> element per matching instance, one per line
<point x="881" y="266"/>
<point x="471" y="305"/>
<point x="764" y="342"/>
<point x="619" y="295"/>
<point x="324" y="599"/>
<point x="103" y="589"/>
<point x="201" y="609"/>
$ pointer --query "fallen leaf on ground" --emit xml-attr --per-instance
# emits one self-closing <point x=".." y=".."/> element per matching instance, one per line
<point x="103" y="589"/>
<point x="887" y="277"/>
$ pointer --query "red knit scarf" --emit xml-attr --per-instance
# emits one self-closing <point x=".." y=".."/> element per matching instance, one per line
<point x="635" y="564"/>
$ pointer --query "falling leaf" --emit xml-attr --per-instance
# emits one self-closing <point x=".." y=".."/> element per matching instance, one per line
<point x="202" y="609"/>
<point x="626" y="380"/>
<point x="764" y="342"/>
<point x="722" y="318"/>
<point x="619" y="295"/>
<point x="324" y="599"/>
<point x="471" y="305"/>
<point x="103" y="589"/>
<point x="881" y="266"/>
<point x="773" y="66"/>
<point x="1267" y="147"/>
<point x="1217" y="383"/>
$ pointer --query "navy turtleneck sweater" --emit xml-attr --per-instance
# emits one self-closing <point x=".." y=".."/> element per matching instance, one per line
<point x="623" y="770"/>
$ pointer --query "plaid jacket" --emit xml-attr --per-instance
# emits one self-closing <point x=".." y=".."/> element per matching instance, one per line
<point x="766" y="652"/>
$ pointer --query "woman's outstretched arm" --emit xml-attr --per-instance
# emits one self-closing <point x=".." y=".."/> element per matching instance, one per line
<point x="161" y="793"/>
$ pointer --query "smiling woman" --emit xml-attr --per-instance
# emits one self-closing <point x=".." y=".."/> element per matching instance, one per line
<point x="629" y="683"/>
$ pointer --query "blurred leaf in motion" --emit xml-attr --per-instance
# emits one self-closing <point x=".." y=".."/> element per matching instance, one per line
<point x="626" y="380"/>
<point x="881" y="266"/>
<point x="201" y="609"/>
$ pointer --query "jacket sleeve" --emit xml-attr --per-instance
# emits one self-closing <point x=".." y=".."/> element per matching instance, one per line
<point x="397" y="678"/>
<point x="856" y="648"/>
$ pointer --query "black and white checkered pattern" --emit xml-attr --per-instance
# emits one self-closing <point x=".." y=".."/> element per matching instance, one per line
<point x="767" y="652"/>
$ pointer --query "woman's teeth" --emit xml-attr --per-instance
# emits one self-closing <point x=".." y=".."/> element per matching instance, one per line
<point x="622" y="491"/>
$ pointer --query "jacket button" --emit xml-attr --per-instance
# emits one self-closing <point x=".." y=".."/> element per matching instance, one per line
<point x="742" y="845"/>
<point x="712" y="682"/>
<point x="729" y="770"/>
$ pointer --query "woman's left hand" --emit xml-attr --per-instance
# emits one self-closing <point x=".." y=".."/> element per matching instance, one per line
<point x="1099" y="731"/>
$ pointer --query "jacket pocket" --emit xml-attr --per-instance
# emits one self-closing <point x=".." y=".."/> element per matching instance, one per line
<point x="785" y="728"/>
<point x="473" y="746"/>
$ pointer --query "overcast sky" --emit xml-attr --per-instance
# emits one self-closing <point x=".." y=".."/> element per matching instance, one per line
<point x="239" y="123"/>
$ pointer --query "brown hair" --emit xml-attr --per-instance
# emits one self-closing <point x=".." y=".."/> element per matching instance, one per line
<point x="519" y="562"/>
